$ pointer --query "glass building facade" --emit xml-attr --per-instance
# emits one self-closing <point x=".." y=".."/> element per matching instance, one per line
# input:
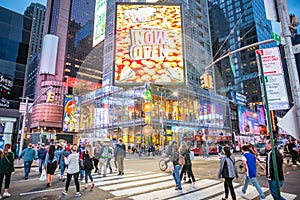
<point x="235" y="24"/>
<point x="14" y="42"/>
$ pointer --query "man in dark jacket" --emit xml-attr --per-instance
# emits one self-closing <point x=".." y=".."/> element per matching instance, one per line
<point x="120" y="153"/>
<point x="41" y="156"/>
<point x="270" y="170"/>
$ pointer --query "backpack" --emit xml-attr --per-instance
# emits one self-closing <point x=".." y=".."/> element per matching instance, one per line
<point x="105" y="152"/>
<point x="181" y="160"/>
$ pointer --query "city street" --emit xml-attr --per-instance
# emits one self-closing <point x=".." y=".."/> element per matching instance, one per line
<point x="144" y="180"/>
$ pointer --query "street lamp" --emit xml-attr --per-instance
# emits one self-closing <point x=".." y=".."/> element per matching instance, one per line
<point x="162" y="118"/>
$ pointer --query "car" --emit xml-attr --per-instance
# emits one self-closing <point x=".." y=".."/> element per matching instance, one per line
<point x="261" y="148"/>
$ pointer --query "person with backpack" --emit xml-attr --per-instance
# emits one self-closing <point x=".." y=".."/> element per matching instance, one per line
<point x="187" y="168"/>
<point x="228" y="171"/>
<point x="88" y="165"/>
<point x="120" y="153"/>
<point x="41" y="156"/>
<point x="103" y="159"/>
<point x="177" y="166"/>
<point x="7" y="168"/>
<point x="50" y="164"/>
<point x="29" y="155"/>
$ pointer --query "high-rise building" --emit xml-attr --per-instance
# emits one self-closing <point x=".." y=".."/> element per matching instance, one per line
<point x="78" y="67"/>
<point x="14" y="42"/>
<point x="235" y="24"/>
<point x="37" y="13"/>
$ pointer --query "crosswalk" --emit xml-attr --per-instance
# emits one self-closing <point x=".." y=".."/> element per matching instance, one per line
<point x="138" y="185"/>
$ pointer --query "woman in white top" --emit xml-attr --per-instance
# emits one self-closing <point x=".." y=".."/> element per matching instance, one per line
<point x="73" y="170"/>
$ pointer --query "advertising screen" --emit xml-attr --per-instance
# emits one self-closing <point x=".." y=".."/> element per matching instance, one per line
<point x="248" y="121"/>
<point x="149" y="45"/>
<point x="99" y="23"/>
<point x="71" y="114"/>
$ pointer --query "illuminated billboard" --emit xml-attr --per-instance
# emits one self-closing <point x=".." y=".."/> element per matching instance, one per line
<point x="99" y="22"/>
<point x="248" y="121"/>
<point x="71" y="114"/>
<point x="148" y="45"/>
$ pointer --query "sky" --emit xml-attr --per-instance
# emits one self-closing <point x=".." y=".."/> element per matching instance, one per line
<point x="20" y="6"/>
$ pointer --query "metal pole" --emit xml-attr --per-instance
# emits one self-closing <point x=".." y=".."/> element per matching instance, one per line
<point x="290" y="58"/>
<point x="262" y="77"/>
<point x="23" y="127"/>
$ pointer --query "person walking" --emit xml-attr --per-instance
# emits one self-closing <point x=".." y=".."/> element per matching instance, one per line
<point x="62" y="157"/>
<point x="270" y="170"/>
<point x="29" y="155"/>
<point x="50" y="164"/>
<point x="97" y="157"/>
<point x="73" y="170"/>
<point x="174" y="159"/>
<point x="292" y="151"/>
<point x="7" y="159"/>
<point x="228" y="171"/>
<point x="110" y="156"/>
<point x="88" y="165"/>
<point x="249" y="162"/>
<point x="187" y="168"/>
<point x="41" y="156"/>
<point x="103" y="159"/>
<point x="81" y="150"/>
<point x="120" y="153"/>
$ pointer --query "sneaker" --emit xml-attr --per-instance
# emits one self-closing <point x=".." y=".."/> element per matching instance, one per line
<point x="241" y="193"/>
<point x="6" y="194"/>
<point x="189" y="181"/>
<point x="64" y="192"/>
<point x="78" y="194"/>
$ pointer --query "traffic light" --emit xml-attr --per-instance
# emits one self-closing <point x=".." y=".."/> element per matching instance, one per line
<point x="50" y="96"/>
<point x="204" y="80"/>
<point x="210" y="82"/>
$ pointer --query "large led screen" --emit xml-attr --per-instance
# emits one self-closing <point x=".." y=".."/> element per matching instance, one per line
<point x="149" y="45"/>
<point x="99" y="23"/>
<point x="71" y="113"/>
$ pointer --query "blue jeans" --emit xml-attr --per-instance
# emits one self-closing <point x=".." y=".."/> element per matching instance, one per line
<point x="88" y="174"/>
<point x="27" y="166"/>
<point x="41" y="164"/>
<point x="176" y="175"/>
<point x="273" y="189"/>
<point x="255" y="184"/>
<point x="62" y="169"/>
<point x="108" y="165"/>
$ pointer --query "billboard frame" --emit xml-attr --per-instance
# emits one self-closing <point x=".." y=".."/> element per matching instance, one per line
<point x="170" y="84"/>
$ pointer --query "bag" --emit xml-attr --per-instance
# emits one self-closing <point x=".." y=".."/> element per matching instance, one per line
<point x="43" y="176"/>
<point x="105" y="152"/>
<point x="192" y="155"/>
<point x="181" y="160"/>
<point x="66" y="160"/>
<point x="170" y="166"/>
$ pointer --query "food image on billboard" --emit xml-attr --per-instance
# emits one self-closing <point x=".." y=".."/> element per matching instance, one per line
<point x="99" y="23"/>
<point x="149" y="45"/>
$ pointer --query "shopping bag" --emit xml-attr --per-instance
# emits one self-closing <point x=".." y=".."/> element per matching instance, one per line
<point x="170" y="166"/>
<point x="43" y="175"/>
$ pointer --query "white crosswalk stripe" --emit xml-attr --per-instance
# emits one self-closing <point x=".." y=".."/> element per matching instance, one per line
<point x="158" y="186"/>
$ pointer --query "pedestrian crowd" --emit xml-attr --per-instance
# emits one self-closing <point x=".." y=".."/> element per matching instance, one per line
<point x="79" y="161"/>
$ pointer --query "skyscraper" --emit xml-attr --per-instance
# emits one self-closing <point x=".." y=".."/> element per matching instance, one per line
<point x="78" y="63"/>
<point x="235" y="24"/>
<point x="14" y="42"/>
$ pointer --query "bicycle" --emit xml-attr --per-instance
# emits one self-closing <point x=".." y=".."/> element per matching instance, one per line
<point x="163" y="163"/>
<point x="259" y="171"/>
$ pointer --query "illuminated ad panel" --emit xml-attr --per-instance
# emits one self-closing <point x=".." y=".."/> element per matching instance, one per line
<point x="71" y="113"/>
<point x="149" y="45"/>
<point x="99" y="22"/>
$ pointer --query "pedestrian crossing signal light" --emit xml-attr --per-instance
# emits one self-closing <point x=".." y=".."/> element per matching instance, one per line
<point x="204" y="80"/>
<point x="50" y="96"/>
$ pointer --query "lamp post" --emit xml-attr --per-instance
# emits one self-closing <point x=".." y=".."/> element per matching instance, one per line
<point x="162" y="118"/>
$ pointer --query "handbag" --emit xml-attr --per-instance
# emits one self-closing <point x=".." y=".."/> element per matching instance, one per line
<point x="170" y="166"/>
<point x="43" y="175"/>
<point x="192" y="155"/>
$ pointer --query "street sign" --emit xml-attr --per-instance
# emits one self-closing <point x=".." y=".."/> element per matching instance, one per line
<point x="271" y="61"/>
<point x="276" y="37"/>
<point x="276" y="92"/>
<point x="22" y="107"/>
<point x="296" y="49"/>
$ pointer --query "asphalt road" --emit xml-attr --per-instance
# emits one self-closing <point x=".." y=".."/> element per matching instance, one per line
<point x="33" y="189"/>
